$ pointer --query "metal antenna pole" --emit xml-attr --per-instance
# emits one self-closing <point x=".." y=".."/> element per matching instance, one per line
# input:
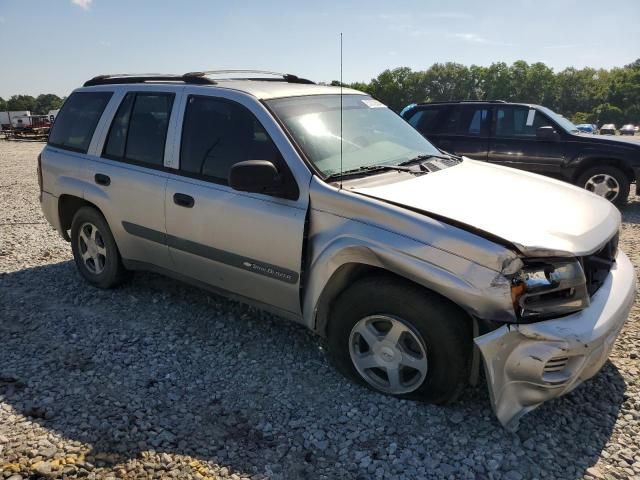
<point x="340" y="110"/>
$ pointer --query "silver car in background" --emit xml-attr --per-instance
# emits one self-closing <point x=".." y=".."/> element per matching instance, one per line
<point x="325" y="207"/>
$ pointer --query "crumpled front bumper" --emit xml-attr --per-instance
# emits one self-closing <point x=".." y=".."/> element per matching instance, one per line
<point x="528" y="364"/>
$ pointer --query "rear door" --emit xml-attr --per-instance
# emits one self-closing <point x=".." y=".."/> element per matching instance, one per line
<point x="246" y="244"/>
<point x="460" y="129"/>
<point x="130" y="178"/>
<point x="426" y="119"/>
<point x="514" y="142"/>
<point x="465" y="131"/>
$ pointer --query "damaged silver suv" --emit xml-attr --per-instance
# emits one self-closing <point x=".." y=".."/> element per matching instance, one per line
<point x="325" y="207"/>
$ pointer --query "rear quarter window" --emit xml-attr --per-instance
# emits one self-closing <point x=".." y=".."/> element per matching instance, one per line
<point x="426" y="119"/>
<point x="77" y="120"/>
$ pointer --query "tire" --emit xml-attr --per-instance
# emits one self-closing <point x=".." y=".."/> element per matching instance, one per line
<point x="443" y="331"/>
<point x="591" y="178"/>
<point x="102" y="266"/>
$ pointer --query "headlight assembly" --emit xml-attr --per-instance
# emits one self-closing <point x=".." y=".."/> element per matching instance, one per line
<point x="545" y="289"/>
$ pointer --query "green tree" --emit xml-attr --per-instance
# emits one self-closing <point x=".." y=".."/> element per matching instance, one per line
<point x="607" y="113"/>
<point x="363" y="87"/>
<point x="396" y="88"/>
<point x="445" y="81"/>
<point x="540" y="85"/>
<point x="632" y="114"/>
<point x="497" y="83"/>
<point x="582" y="117"/>
<point x="3" y="104"/>
<point x="46" y="102"/>
<point x="21" y="102"/>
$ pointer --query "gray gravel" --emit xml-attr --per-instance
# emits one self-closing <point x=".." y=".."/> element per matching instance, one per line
<point x="160" y="380"/>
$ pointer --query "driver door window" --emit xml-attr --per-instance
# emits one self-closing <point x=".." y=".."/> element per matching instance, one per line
<point x="217" y="134"/>
<point x="519" y="122"/>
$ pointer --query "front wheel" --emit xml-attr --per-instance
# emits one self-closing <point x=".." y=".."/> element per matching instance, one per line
<point x="606" y="181"/>
<point x="397" y="338"/>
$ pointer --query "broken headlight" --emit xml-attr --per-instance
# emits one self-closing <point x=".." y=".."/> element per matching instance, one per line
<point x="545" y="289"/>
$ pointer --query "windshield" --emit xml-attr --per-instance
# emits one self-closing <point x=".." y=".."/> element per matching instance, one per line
<point x="560" y="120"/>
<point x="371" y="133"/>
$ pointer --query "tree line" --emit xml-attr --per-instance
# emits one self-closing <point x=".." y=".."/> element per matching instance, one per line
<point x="39" y="105"/>
<point x="586" y="95"/>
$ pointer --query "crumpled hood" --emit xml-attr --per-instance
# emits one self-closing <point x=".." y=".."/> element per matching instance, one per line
<point x="539" y="215"/>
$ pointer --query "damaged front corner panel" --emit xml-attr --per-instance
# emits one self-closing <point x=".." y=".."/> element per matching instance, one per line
<point x="514" y="367"/>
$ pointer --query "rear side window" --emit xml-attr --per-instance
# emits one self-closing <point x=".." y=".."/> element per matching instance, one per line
<point x="77" y="120"/>
<point x="219" y="133"/>
<point x="425" y="120"/>
<point x="139" y="130"/>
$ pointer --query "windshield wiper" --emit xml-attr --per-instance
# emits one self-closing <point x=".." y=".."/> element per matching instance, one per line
<point x="372" y="168"/>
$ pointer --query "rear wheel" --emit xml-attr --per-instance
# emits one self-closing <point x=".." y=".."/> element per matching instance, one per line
<point x="606" y="181"/>
<point x="94" y="249"/>
<point x="399" y="339"/>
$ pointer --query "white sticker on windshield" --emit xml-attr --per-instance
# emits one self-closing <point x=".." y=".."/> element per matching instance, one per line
<point x="372" y="103"/>
<point x="530" y="117"/>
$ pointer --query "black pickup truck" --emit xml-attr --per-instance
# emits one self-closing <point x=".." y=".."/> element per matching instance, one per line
<point x="533" y="138"/>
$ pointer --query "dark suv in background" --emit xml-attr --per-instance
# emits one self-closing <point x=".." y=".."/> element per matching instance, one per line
<point x="533" y="138"/>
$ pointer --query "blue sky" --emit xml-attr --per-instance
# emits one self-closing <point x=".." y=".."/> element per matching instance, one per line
<point x="55" y="45"/>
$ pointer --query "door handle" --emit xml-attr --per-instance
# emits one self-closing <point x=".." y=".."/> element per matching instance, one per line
<point x="183" y="200"/>
<point x="102" y="179"/>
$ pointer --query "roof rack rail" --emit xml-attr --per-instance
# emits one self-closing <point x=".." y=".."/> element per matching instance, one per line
<point x="257" y="75"/>
<point x="462" y="101"/>
<point x="122" y="78"/>
<point x="482" y="101"/>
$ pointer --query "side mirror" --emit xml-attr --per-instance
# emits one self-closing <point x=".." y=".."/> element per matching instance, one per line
<point x="547" y="133"/>
<point x="257" y="176"/>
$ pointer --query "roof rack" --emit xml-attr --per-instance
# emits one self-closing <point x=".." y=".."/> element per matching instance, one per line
<point x="257" y="75"/>
<point x="462" y="101"/>
<point x="196" y="78"/>
<point x="120" y="78"/>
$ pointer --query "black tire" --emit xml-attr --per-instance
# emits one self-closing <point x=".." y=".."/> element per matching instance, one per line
<point x="444" y="330"/>
<point x="110" y="271"/>
<point x="619" y="176"/>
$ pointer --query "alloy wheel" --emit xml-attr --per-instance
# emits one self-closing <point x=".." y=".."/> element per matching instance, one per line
<point x="92" y="248"/>
<point x="603" y="185"/>
<point x="388" y="353"/>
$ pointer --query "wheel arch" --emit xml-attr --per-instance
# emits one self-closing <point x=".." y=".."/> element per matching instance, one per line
<point x="68" y="206"/>
<point x="351" y="272"/>
<point x="595" y="160"/>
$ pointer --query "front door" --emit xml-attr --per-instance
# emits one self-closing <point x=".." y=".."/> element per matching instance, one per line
<point x="514" y="142"/>
<point x="244" y="243"/>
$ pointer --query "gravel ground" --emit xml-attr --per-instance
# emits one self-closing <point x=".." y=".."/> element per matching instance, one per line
<point x="161" y="380"/>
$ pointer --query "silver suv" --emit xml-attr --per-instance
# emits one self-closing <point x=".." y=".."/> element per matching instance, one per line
<point x="324" y="206"/>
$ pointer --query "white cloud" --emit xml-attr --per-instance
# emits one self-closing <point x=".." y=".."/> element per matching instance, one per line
<point x="475" y="38"/>
<point x="450" y="15"/>
<point x="104" y="43"/>
<point x="470" y="37"/>
<point x="83" y="4"/>
<point x="563" y="46"/>
<point x="1" y="19"/>
<point x="416" y="16"/>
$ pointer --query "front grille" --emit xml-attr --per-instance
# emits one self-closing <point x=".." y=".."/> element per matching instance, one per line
<point x="597" y="265"/>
